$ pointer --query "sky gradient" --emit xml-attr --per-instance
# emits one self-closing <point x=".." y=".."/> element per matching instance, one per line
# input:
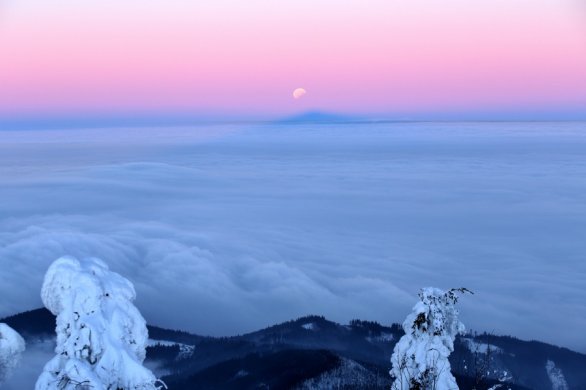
<point x="244" y="59"/>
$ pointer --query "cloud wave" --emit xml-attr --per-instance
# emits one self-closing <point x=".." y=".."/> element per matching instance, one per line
<point x="226" y="234"/>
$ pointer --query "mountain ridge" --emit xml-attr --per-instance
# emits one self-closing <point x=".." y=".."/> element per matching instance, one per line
<point x="312" y="351"/>
<point x="320" y="117"/>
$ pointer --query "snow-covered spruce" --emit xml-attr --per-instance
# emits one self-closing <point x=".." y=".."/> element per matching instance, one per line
<point x="420" y="358"/>
<point x="11" y="349"/>
<point x="101" y="336"/>
<point x="556" y="376"/>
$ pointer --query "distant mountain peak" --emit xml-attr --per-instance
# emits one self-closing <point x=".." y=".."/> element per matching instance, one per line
<point x="320" y="117"/>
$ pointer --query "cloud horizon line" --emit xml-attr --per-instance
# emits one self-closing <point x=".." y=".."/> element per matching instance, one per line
<point x="142" y="119"/>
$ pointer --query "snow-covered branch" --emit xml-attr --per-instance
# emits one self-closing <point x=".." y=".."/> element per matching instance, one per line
<point x="101" y="336"/>
<point x="420" y="358"/>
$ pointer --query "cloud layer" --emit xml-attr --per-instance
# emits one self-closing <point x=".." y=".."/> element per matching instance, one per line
<point x="225" y="230"/>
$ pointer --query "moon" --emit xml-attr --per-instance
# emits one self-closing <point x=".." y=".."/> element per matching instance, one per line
<point x="298" y="93"/>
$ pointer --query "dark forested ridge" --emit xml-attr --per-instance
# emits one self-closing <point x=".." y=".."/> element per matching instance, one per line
<point x="312" y="352"/>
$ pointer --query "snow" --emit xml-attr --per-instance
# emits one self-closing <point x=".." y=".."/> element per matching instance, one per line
<point x="421" y="355"/>
<point x="241" y="373"/>
<point x="349" y="374"/>
<point x="309" y="326"/>
<point x="185" y="350"/>
<point x="101" y="336"/>
<point x="383" y="337"/>
<point x="11" y="348"/>
<point x="483" y="348"/>
<point x="556" y="376"/>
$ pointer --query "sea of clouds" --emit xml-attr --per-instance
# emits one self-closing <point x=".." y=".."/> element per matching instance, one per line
<point x="226" y="229"/>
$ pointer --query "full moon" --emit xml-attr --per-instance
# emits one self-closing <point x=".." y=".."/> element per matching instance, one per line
<point x="298" y="93"/>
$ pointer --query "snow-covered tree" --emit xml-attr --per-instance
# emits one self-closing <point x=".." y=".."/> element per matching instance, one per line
<point x="11" y="349"/>
<point x="420" y="358"/>
<point x="101" y="335"/>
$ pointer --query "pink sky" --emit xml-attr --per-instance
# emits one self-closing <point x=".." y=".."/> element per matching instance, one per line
<point x="246" y="57"/>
